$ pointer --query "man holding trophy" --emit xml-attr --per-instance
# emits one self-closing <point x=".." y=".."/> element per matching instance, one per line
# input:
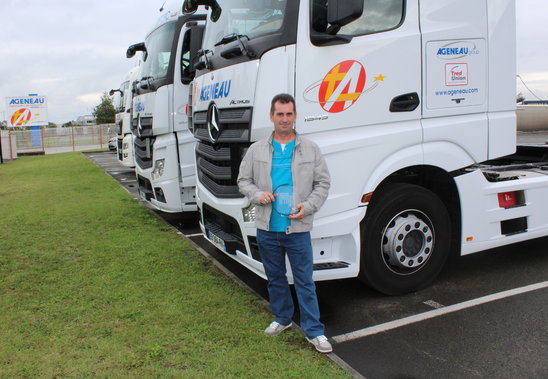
<point x="287" y="177"/>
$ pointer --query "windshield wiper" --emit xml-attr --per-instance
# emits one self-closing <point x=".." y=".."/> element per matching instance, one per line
<point x="205" y="62"/>
<point x="230" y="38"/>
<point x="236" y="37"/>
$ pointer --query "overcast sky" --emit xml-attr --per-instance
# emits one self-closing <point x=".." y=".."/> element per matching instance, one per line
<point x="71" y="51"/>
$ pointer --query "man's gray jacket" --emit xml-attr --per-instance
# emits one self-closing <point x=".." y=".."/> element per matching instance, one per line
<point x="311" y="181"/>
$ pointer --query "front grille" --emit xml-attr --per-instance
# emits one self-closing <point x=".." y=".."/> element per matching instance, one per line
<point x="142" y="126"/>
<point x="234" y="125"/>
<point x="143" y="152"/>
<point x="218" y="163"/>
<point x="224" y="227"/>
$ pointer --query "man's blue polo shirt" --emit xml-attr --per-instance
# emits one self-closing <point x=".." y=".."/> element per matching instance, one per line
<point x="280" y="175"/>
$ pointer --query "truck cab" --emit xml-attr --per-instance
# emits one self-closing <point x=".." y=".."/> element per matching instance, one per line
<point x="123" y="105"/>
<point x="405" y="98"/>
<point x="163" y="145"/>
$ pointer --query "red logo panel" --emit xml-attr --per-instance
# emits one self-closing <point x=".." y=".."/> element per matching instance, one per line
<point x="342" y="86"/>
<point x="20" y="117"/>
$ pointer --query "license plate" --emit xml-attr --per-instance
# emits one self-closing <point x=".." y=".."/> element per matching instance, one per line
<point x="217" y="241"/>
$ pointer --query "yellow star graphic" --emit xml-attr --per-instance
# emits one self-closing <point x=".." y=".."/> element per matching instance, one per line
<point x="379" y="78"/>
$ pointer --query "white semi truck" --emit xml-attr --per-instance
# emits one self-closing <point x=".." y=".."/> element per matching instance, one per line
<point x="412" y="102"/>
<point x="163" y="145"/>
<point x="123" y="105"/>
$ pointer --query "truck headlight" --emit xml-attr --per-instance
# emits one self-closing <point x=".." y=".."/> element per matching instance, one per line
<point x="158" y="168"/>
<point x="249" y="213"/>
<point x="125" y="146"/>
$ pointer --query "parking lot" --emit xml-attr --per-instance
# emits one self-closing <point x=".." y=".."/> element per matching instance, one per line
<point x="484" y="317"/>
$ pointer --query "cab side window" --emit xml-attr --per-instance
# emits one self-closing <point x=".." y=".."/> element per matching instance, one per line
<point x="377" y="16"/>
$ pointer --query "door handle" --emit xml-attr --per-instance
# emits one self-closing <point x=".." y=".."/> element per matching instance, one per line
<point x="405" y="103"/>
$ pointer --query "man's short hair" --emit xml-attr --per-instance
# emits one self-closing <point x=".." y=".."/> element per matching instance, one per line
<point x="283" y="98"/>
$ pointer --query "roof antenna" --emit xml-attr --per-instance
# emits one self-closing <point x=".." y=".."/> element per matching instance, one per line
<point x="162" y="7"/>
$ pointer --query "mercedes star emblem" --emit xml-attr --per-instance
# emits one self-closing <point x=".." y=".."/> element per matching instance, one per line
<point x="213" y="125"/>
<point x="139" y="126"/>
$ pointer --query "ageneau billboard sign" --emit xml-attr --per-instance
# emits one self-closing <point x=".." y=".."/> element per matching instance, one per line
<point x="31" y="110"/>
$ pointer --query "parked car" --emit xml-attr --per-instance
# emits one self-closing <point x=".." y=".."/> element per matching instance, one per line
<point x="112" y="143"/>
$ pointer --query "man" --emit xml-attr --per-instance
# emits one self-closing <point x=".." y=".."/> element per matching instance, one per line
<point x="285" y="158"/>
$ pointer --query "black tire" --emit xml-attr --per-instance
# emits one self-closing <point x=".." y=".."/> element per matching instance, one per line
<point x="406" y="239"/>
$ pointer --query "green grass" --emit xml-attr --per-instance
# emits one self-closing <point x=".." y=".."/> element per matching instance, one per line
<point x="93" y="285"/>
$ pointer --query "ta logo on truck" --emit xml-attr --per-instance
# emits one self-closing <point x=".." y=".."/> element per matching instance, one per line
<point x="21" y="117"/>
<point x="341" y="87"/>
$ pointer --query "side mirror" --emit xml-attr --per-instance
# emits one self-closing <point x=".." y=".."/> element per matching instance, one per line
<point x="215" y="11"/>
<point x="130" y="52"/>
<point x="191" y="6"/>
<point x="343" y="12"/>
<point x="195" y="36"/>
<point x="329" y="16"/>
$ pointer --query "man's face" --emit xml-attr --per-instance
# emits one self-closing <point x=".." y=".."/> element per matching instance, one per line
<point x="283" y="118"/>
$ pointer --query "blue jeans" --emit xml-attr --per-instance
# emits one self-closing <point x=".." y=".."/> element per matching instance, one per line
<point x="273" y="247"/>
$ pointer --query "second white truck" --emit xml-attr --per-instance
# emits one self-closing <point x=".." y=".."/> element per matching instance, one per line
<point x="164" y="145"/>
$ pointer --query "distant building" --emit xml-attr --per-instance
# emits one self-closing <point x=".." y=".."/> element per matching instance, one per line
<point x="85" y="120"/>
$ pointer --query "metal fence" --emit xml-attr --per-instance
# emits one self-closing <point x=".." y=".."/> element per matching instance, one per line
<point x="55" y="140"/>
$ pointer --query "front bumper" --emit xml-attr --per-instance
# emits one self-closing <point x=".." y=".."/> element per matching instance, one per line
<point x="335" y="239"/>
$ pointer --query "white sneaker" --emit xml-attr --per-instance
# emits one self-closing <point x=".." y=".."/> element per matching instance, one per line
<point x="276" y="328"/>
<point x="321" y="344"/>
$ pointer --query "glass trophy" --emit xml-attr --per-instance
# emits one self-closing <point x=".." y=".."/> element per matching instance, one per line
<point x="283" y="200"/>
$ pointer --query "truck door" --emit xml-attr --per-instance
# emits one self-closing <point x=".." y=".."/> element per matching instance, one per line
<point x="361" y="86"/>
<point x="189" y="42"/>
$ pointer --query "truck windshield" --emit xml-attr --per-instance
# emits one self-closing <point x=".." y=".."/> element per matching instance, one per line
<point x="245" y="18"/>
<point x="157" y="58"/>
<point x="124" y="88"/>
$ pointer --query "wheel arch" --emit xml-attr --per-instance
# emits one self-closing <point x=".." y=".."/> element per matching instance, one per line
<point x="431" y="165"/>
<point x="435" y="179"/>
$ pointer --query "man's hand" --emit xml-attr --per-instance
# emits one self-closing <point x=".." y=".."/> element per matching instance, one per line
<point x="266" y="198"/>
<point x="299" y="212"/>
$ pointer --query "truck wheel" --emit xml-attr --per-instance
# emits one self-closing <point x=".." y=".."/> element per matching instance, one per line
<point x="406" y="239"/>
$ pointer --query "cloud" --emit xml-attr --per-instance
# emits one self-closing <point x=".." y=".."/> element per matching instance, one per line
<point x="68" y="50"/>
<point x="71" y="51"/>
<point x="45" y="81"/>
<point x="89" y="99"/>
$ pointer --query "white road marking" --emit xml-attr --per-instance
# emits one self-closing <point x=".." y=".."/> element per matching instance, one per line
<point x="193" y="235"/>
<point x="435" y="313"/>
<point x="433" y="304"/>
